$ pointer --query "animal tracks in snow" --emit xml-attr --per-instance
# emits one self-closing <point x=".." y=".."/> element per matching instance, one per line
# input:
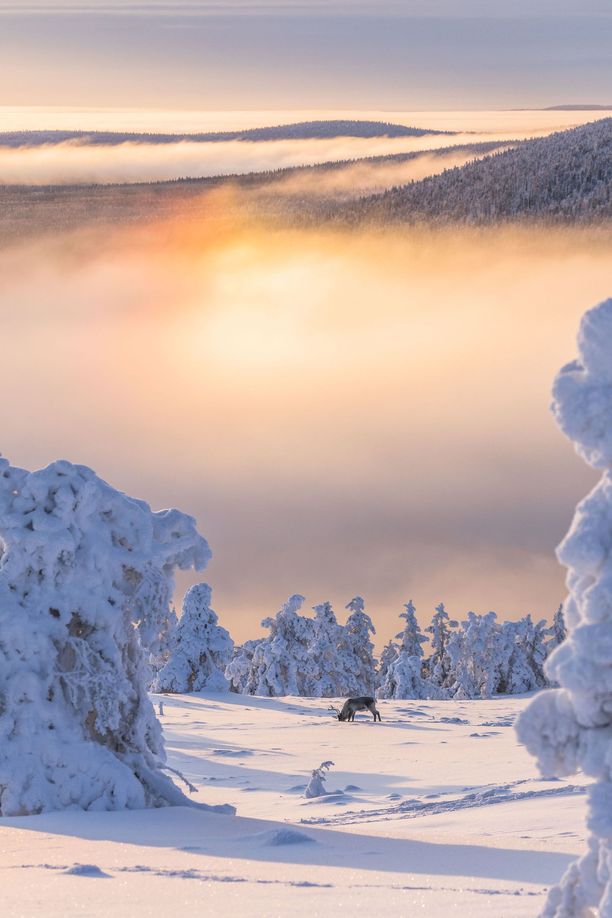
<point x="413" y="808"/>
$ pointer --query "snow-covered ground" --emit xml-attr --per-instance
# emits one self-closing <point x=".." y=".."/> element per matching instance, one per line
<point x="435" y="811"/>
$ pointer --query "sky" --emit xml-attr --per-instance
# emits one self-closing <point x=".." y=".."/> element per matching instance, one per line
<point x="227" y="54"/>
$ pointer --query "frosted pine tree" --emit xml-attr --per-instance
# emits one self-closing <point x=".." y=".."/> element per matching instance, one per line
<point x="404" y="679"/>
<point x="388" y="656"/>
<point x="411" y="638"/>
<point x="438" y="664"/>
<point x="240" y="671"/>
<point x="555" y="635"/>
<point x="520" y="656"/>
<point x="328" y="676"/>
<point x="557" y="632"/>
<point x="570" y="728"/>
<point x="404" y="676"/>
<point x="77" y="728"/>
<point x="356" y="650"/>
<point x="159" y="651"/>
<point x="533" y="639"/>
<point x="281" y="663"/>
<point x="474" y="654"/>
<point x="200" y="649"/>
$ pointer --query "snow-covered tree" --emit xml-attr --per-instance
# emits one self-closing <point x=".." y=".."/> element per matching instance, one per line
<point x="159" y="651"/>
<point x="200" y="649"/>
<point x="77" y="728"/>
<point x="519" y="657"/>
<point x="281" y="663"/>
<point x="570" y="728"/>
<point x="404" y="676"/>
<point x="389" y="655"/>
<point x="532" y="637"/>
<point x="557" y="632"/>
<point x="404" y="679"/>
<point x="328" y="676"/>
<point x="356" y="650"/>
<point x="473" y="652"/>
<point x="411" y="638"/>
<point x="240" y="672"/>
<point x="438" y="664"/>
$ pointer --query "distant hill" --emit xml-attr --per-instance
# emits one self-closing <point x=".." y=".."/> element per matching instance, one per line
<point x="302" y="130"/>
<point x="578" y="108"/>
<point x="565" y="177"/>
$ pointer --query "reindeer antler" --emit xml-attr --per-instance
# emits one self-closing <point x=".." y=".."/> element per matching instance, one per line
<point x="334" y="710"/>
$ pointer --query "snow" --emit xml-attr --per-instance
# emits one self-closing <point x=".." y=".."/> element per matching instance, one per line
<point x="437" y="812"/>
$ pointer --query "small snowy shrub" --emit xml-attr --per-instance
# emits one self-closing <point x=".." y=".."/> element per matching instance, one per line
<point x="570" y="728"/>
<point x="85" y="576"/>
<point x="316" y="785"/>
<point x="200" y="649"/>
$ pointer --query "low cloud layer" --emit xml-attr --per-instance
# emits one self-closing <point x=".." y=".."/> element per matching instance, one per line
<point x="78" y="163"/>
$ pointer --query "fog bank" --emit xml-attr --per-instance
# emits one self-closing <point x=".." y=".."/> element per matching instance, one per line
<point x="344" y="414"/>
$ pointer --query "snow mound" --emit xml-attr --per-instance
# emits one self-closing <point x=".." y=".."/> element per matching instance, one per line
<point x="232" y="753"/>
<point x="278" y="837"/>
<point x="85" y="870"/>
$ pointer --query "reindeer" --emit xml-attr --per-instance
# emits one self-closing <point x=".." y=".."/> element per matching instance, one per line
<point x="352" y="705"/>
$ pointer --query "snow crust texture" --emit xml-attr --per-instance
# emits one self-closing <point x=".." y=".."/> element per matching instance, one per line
<point x="85" y="579"/>
<point x="570" y="728"/>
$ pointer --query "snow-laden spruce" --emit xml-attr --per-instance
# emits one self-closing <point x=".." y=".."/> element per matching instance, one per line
<point x="404" y="676"/>
<point x="557" y="631"/>
<point x="85" y="576"/>
<point x="570" y="728"/>
<point x="356" y="650"/>
<point x="240" y="672"/>
<point x="280" y="663"/>
<point x="389" y="655"/>
<point x="329" y="675"/>
<point x="472" y="651"/>
<point x="438" y="664"/>
<point x="200" y="649"/>
<point x="159" y="650"/>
